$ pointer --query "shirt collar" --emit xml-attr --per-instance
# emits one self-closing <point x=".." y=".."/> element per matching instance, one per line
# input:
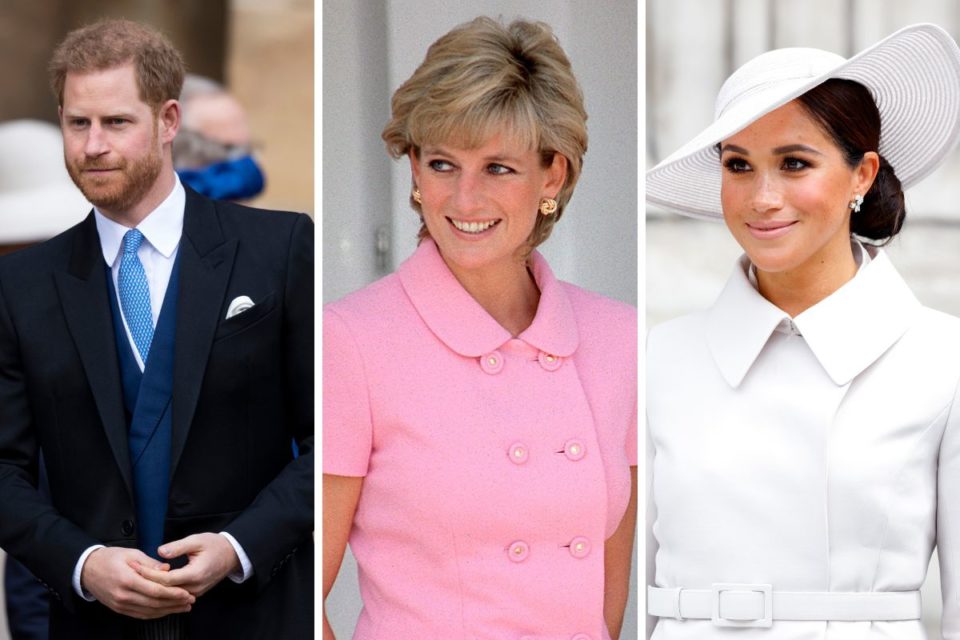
<point x="846" y="331"/>
<point x="465" y="327"/>
<point x="162" y="227"/>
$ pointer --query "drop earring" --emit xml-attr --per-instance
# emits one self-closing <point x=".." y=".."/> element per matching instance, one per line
<point x="416" y="195"/>
<point x="856" y="202"/>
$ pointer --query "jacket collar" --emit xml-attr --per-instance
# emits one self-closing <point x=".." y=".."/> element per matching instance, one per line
<point x="847" y="331"/>
<point x="465" y="327"/>
<point x="206" y="262"/>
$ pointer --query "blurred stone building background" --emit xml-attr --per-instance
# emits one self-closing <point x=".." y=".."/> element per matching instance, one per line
<point x="261" y="50"/>
<point x="691" y="47"/>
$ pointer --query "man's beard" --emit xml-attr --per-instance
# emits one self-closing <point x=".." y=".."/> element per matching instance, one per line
<point x="118" y="191"/>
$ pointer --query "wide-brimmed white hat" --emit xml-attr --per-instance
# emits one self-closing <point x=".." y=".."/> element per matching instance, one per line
<point x="37" y="198"/>
<point x="913" y="75"/>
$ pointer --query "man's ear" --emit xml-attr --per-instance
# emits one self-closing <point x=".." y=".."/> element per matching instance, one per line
<point x="168" y="121"/>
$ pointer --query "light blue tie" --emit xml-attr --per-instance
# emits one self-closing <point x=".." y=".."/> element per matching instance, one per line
<point x="135" y="294"/>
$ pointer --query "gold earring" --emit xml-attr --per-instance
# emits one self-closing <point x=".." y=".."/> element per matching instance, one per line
<point x="548" y="206"/>
<point x="416" y="195"/>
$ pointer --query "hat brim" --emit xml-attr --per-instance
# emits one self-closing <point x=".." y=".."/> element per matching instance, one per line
<point x="914" y="77"/>
<point x="34" y="215"/>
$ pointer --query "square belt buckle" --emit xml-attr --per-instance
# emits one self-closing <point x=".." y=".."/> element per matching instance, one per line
<point x="766" y="590"/>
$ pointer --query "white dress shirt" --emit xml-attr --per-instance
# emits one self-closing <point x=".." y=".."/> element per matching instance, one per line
<point x="818" y="453"/>
<point x="161" y="229"/>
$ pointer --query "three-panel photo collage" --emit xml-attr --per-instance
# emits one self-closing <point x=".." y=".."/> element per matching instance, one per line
<point x="608" y="320"/>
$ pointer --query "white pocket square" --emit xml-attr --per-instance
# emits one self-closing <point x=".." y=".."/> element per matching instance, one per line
<point x="238" y="305"/>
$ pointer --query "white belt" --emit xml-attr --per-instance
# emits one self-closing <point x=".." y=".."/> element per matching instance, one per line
<point x="758" y="605"/>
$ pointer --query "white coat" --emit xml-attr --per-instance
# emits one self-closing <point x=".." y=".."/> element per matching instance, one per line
<point x="818" y="454"/>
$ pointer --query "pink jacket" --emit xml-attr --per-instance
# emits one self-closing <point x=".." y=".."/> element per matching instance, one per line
<point x="494" y="467"/>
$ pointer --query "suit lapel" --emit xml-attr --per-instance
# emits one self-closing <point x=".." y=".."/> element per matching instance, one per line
<point x="205" y="267"/>
<point x="83" y="295"/>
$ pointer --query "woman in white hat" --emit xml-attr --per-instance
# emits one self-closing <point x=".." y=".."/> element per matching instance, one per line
<point x="804" y="431"/>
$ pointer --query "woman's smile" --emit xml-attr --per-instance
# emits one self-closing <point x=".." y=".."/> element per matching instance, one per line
<point x="770" y="229"/>
<point x="473" y="227"/>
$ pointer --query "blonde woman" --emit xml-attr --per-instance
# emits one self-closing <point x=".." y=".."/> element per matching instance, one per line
<point x="479" y="414"/>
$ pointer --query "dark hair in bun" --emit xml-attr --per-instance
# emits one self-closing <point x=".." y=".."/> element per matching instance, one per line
<point x="846" y="111"/>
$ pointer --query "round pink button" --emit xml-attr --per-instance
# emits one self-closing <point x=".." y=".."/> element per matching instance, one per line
<point x="492" y="362"/>
<point x="579" y="547"/>
<point x="518" y="551"/>
<point x="549" y="361"/>
<point x="574" y="449"/>
<point x="518" y="453"/>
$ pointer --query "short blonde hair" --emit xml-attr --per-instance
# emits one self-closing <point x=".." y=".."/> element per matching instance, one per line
<point x="483" y="77"/>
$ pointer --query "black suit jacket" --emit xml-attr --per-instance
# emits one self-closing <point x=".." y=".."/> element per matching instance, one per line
<point x="243" y="388"/>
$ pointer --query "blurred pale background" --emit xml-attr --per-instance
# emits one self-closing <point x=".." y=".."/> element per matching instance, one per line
<point x="261" y="50"/>
<point x="688" y="261"/>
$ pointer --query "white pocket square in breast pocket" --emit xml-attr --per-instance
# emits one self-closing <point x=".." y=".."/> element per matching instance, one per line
<point x="238" y="306"/>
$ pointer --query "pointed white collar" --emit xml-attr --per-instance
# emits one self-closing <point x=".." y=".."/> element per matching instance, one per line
<point x="847" y="331"/>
